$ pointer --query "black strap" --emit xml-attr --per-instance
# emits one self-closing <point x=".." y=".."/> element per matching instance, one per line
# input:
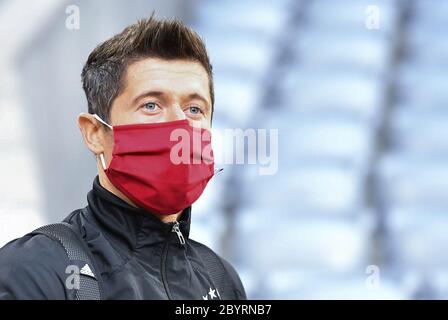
<point x="217" y="272"/>
<point x="78" y="254"/>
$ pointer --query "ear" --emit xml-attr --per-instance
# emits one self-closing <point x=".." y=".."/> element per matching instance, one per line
<point x="93" y="133"/>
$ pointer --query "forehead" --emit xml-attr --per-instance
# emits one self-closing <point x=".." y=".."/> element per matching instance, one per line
<point x="177" y="76"/>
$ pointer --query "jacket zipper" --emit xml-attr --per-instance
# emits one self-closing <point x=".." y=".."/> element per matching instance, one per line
<point x="175" y="228"/>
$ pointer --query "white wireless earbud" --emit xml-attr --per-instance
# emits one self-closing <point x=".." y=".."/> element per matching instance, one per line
<point x="103" y="162"/>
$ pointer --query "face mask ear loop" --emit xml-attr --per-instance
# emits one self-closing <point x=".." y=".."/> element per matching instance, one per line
<point x="102" y="121"/>
<point x="103" y="162"/>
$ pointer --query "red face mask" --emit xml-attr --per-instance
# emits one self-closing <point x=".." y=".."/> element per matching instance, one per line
<point x="162" y="167"/>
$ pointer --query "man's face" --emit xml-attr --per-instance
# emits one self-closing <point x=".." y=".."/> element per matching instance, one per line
<point x="157" y="90"/>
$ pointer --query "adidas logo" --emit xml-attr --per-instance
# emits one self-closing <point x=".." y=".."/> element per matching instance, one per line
<point x="87" y="271"/>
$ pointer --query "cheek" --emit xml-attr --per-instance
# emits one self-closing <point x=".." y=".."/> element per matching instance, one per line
<point x="204" y="123"/>
<point x="207" y="122"/>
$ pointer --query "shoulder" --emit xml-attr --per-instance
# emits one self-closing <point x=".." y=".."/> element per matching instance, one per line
<point x="230" y="270"/>
<point x="32" y="267"/>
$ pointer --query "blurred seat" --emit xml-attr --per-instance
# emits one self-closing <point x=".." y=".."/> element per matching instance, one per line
<point x="236" y="99"/>
<point x="420" y="131"/>
<point x="358" y="49"/>
<point x="331" y="138"/>
<point x="270" y="239"/>
<point x="423" y="86"/>
<point x="431" y="12"/>
<point x="242" y="36"/>
<point x="428" y="43"/>
<point x="320" y="90"/>
<point x="419" y="237"/>
<point x="413" y="180"/>
<point x="266" y="18"/>
<point x="240" y="54"/>
<point x="294" y="284"/>
<point x="308" y="189"/>
<point x="350" y="15"/>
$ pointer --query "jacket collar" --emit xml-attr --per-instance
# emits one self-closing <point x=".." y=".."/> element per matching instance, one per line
<point x="127" y="225"/>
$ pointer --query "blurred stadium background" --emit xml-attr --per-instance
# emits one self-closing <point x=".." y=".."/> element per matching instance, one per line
<point x="358" y="208"/>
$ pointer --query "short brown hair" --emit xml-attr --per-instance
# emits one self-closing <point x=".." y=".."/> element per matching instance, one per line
<point x="103" y="73"/>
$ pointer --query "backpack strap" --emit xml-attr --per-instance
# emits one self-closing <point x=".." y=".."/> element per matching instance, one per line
<point x="218" y="274"/>
<point x="79" y="255"/>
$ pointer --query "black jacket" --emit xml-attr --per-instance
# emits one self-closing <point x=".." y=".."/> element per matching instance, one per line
<point x="137" y="255"/>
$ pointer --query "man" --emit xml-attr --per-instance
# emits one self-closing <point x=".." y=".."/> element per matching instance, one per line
<point x="151" y="81"/>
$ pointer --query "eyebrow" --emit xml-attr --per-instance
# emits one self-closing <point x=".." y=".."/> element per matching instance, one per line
<point x="160" y="94"/>
<point x="157" y="94"/>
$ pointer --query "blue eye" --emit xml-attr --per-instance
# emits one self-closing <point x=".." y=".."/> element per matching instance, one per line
<point x="195" y="110"/>
<point x="150" y="106"/>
